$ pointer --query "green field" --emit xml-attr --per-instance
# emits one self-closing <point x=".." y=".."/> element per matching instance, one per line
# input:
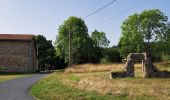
<point x="92" y="82"/>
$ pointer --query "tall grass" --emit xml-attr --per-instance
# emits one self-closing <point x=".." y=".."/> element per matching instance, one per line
<point x="133" y="88"/>
<point x="84" y="68"/>
<point x="153" y="88"/>
<point x="92" y="82"/>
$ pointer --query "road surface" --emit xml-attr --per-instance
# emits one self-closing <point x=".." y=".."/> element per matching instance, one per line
<point x="18" y="89"/>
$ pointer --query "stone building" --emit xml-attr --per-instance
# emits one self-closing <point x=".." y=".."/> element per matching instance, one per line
<point x="17" y="53"/>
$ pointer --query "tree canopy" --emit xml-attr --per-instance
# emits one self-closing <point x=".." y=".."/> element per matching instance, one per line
<point x="100" y="39"/>
<point x="131" y="39"/>
<point x="81" y="43"/>
<point x="46" y="51"/>
<point x="141" y="31"/>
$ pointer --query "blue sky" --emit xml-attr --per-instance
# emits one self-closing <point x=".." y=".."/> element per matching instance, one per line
<point x="45" y="16"/>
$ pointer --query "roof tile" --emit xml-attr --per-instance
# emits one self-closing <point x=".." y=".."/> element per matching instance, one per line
<point x="16" y="36"/>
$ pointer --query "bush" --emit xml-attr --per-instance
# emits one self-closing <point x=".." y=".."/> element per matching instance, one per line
<point x="105" y="60"/>
<point x="113" y="54"/>
<point x="165" y="57"/>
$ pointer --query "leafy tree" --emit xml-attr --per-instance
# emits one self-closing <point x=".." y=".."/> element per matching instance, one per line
<point x="153" y="26"/>
<point x="141" y="31"/>
<point x="100" y="39"/>
<point x="46" y="51"/>
<point x="165" y="46"/>
<point x="100" y="42"/>
<point x="81" y="43"/>
<point x="131" y="39"/>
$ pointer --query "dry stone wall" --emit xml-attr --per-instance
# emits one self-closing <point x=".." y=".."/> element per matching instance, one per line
<point x="149" y="70"/>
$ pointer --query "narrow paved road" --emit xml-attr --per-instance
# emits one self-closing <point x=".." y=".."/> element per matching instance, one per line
<point x="18" y="89"/>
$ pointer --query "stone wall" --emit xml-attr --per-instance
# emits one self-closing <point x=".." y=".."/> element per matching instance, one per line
<point x="17" y="56"/>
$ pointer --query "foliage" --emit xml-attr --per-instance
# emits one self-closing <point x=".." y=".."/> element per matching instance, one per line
<point x="131" y="40"/>
<point x="105" y="60"/>
<point x="100" y="39"/>
<point x="59" y="63"/>
<point x="165" y="57"/>
<point x="153" y="26"/>
<point x="165" y="46"/>
<point x="81" y="43"/>
<point x="112" y="54"/>
<point x="141" y="31"/>
<point x="46" y="51"/>
<point x="100" y="43"/>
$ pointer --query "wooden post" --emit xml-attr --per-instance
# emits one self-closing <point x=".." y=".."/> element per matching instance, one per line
<point x="69" y="47"/>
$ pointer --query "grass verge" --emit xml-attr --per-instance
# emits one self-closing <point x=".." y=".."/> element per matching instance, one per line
<point x="91" y="84"/>
<point x="10" y="76"/>
<point x="52" y="88"/>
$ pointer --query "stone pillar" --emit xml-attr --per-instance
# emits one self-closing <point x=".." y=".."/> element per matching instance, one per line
<point x="145" y="71"/>
<point x="130" y="68"/>
<point x="150" y="69"/>
<point x="142" y="65"/>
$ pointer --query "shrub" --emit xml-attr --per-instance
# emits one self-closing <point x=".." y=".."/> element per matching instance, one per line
<point x="105" y="60"/>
